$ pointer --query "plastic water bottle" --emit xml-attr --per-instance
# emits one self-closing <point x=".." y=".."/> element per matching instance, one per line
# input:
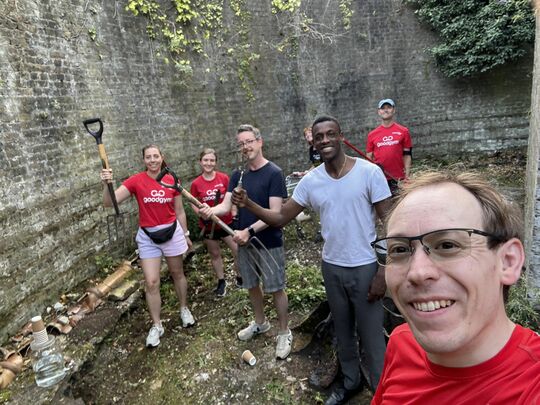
<point x="47" y="360"/>
<point x="48" y="363"/>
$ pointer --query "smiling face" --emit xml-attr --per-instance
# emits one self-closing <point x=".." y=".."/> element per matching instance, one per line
<point x="152" y="159"/>
<point x="208" y="163"/>
<point x="327" y="139"/>
<point x="386" y="112"/>
<point x="249" y="145"/>
<point x="455" y="309"/>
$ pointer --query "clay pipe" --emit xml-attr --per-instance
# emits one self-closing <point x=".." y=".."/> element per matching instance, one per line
<point x="10" y="368"/>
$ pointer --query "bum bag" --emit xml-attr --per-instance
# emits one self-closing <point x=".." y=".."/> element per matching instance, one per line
<point x="162" y="235"/>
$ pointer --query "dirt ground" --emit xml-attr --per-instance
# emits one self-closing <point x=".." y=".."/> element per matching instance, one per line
<point x="202" y="364"/>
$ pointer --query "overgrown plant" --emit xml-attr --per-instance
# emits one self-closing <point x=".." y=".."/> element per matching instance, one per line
<point x="477" y="35"/>
<point x="191" y="29"/>
<point x="305" y="288"/>
<point x="183" y="29"/>
<point x="105" y="262"/>
<point x="521" y="305"/>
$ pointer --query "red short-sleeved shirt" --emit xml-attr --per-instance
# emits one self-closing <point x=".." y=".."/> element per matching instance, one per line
<point x="512" y="376"/>
<point x="156" y="203"/>
<point x="206" y="190"/>
<point x="387" y="145"/>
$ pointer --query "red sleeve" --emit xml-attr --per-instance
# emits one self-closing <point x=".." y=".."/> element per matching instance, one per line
<point x="407" y="142"/>
<point x="130" y="183"/>
<point x="369" y="143"/>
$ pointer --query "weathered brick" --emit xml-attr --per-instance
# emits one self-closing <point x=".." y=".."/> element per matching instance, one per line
<point x="53" y="76"/>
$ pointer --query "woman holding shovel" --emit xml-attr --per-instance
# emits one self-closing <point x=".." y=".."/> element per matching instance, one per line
<point x="160" y="213"/>
<point x="210" y="188"/>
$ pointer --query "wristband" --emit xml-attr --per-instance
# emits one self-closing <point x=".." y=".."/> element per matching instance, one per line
<point x="251" y="231"/>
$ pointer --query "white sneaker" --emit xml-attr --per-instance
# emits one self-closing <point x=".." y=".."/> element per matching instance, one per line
<point x="156" y="331"/>
<point x="187" y="318"/>
<point x="253" y="329"/>
<point x="283" y="347"/>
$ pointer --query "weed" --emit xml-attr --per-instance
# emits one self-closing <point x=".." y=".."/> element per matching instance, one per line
<point x="105" y="263"/>
<point x="277" y="392"/>
<point x="521" y="304"/>
<point x="304" y="286"/>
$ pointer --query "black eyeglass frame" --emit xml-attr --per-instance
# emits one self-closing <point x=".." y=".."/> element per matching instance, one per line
<point x="246" y="143"/>
<point x="375" y="244"/>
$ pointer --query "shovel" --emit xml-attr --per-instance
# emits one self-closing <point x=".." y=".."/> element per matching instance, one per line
<point x="118" y="221"/>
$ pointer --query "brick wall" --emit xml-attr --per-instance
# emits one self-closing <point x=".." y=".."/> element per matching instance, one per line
<point x="53" y="75"/>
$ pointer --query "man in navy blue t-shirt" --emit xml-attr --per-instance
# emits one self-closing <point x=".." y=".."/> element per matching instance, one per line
<point x="265" y="184"/>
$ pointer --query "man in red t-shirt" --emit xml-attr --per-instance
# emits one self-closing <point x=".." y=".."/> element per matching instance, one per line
<point x="390" y="146"/>
<point x="453" y="249"/>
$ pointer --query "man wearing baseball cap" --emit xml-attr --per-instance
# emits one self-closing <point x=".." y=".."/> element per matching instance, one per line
<point x="390" y="145"/>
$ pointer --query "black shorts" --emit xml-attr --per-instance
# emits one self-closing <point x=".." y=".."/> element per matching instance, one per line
<point x="218" y="234"/>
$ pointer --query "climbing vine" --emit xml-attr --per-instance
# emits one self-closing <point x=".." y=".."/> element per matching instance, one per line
<point x="184" y="29"/>
<point x="191" y="29"/>
<point x="477" y="35"/>
<point x="346" y="13"/>
<point x="285" y="5"/>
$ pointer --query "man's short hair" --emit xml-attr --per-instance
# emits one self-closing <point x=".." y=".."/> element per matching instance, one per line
<point x="249" y="128"/>
<point x="325" y="118"/>
<point x="500" y="217"/>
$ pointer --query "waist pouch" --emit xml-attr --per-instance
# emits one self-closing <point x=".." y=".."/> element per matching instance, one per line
<point x="163" y="235"/>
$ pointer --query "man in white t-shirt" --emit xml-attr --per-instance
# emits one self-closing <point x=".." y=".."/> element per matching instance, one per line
<point x="347" y="193"/>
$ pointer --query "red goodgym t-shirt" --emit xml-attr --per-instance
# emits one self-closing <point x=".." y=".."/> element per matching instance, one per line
<point x="387" y="146"/>
<point x="156" y="203"/>
<point x="206" y="190"/>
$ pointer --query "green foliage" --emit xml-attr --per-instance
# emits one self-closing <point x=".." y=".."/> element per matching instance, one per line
<point x="346" y="13"/>
<point x="105" y="263"/>
<point x="285" y="5"/>
<point x="5" y="396"/>
<point x="477" y="35"/>
<point x="192" y="221"/>
<point x="184" y="30"/>
<point x="521" y="304"/>
<point x="305" y="287"/>
<point x="278" y="393"/>
<point x="92" y="34"/>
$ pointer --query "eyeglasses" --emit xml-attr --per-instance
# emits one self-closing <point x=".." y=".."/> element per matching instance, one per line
<point x="442" y="246"/>
<point x="244" y="144"/>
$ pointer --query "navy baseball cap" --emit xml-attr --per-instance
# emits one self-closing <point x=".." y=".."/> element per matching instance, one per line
<point x="386" y="101"/>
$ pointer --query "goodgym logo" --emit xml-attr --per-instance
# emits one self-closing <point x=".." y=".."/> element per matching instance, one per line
<point x="157" y="196"/>
<point x="387" y="141"/>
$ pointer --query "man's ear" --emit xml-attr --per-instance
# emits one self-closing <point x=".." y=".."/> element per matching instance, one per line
<point x="512" y="256"/>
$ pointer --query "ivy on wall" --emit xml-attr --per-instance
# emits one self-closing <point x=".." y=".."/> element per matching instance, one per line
<point x="190" y="28"/>
<point x="477" y="35"/>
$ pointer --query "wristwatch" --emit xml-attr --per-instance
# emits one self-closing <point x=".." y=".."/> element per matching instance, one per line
<point x="251" y="231"/>
<point x="186" y="233"/>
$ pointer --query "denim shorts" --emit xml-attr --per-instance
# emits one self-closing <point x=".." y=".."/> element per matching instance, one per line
<point x="257" y="265"/>
<point x="174" y="247"/>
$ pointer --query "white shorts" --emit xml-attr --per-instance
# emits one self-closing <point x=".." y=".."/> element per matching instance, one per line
<point x="174" y="247"/>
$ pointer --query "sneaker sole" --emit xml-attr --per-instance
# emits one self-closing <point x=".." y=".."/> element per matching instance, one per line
<point x="188" y="325"/>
